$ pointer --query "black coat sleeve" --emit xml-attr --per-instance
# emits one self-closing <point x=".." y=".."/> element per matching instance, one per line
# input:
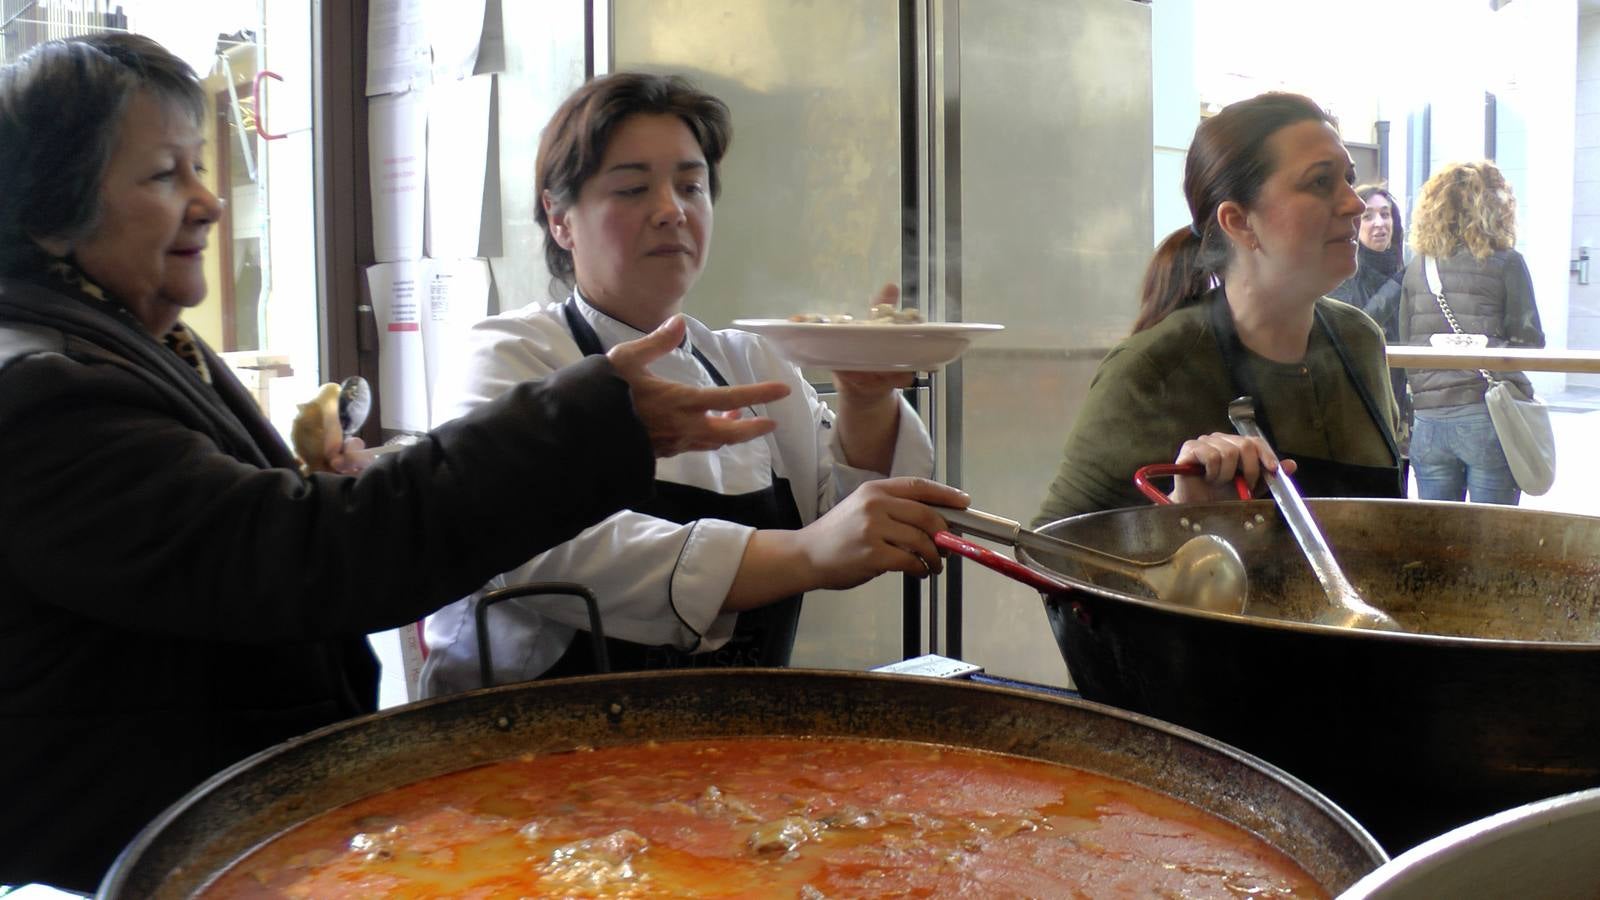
<point x="1522" y="326"/>
<point x="117" y="509"/>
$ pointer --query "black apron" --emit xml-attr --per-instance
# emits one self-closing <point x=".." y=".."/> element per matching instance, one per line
<point x="761" y="637"/>
<point x="1314" y="477"/>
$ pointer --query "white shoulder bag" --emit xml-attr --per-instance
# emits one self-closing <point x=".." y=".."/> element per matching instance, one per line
<point x="1521" y="423"/>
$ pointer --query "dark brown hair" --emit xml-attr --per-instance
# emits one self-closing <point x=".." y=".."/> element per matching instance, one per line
<point x="575" y="140"/>
<point x="61" y="108"/>
<point x="1228" y="160"/>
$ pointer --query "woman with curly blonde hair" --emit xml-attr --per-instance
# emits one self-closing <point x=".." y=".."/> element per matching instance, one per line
<point x="1466" y="223"/>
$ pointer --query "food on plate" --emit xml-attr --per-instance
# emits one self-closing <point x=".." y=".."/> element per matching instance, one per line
<point x="882" y="314"/>
<point x="779" y="817"/>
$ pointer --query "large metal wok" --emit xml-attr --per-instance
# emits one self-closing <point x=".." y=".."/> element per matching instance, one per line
<point x="1493" y="706"/>
<point x="280" y="787"/>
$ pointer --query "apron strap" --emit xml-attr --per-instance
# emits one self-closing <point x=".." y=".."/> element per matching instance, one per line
<point x="1367" y="399"/>
<point x="1232" y="350"/>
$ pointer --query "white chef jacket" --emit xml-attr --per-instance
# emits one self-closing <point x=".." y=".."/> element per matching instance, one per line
<point x="657" y="582"/>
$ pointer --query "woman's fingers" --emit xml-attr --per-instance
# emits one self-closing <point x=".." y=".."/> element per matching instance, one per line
<point x="1223" y="455"/>
<point x="909" y="523"/>
<point x="882" y="526"/>
<point x="679" y="418"/>
<point x="641" y="352"/>
<point x="900" y="545"/>
<point x="1264" y="453"/>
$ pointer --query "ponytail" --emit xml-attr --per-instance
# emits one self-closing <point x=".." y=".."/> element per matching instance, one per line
<point x="1177" y="276"/>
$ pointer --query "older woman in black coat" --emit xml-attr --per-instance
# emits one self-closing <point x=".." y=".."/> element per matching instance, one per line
<point x="174" y="594"/>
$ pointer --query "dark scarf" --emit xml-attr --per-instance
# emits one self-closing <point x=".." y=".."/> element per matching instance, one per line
<point x="180" y="340"/>
<point x="1382" y="264"/>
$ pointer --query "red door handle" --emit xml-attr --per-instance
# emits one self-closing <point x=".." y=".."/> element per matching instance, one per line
<point x="257" y="95"/>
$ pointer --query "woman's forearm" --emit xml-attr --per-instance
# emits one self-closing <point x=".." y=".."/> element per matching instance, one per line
<point x="775" y="565"/>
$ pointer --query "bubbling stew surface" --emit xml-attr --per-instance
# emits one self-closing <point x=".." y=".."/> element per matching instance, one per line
<point x="767" y="817"/>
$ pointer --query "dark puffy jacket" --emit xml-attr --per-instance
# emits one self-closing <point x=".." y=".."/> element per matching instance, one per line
<point x="1492" y="296"/>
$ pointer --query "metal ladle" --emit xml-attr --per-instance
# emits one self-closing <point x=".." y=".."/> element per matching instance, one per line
<point x="1346" y="608"/>
<point x="355" y="404"/>
<point x="1205" y="573"/>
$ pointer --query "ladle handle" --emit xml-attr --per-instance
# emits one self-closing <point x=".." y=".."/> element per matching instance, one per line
<point x="1302" y="526"/>
<point x="1142" y="476"/>
<point x="1011" y="533"/>
<point x="982" y="524"/>
<point x="1003" y="564"/>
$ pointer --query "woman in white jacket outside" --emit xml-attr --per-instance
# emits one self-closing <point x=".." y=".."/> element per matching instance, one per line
<point x="710" y="572"/>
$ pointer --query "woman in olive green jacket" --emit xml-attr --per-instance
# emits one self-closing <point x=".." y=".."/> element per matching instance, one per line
<point x="1234" y="304"/>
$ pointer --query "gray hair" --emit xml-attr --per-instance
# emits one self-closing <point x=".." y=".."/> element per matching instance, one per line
<point x="61" y="107"/>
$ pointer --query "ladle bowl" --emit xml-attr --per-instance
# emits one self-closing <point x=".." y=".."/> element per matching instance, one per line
<point x="355" y="404"/>
<point x="1205" y="573"/>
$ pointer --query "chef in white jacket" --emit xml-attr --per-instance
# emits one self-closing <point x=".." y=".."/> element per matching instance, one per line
<point x="711" y="570"/>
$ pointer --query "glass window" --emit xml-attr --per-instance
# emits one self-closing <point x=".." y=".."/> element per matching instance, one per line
<point x="261" y="311"/>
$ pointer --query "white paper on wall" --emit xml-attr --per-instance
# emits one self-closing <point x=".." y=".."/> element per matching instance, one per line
<point x="397" y="134"/>
<point x="458" y="155"/>
<point x="398" y="53"/>
<point x="399" y="293"/>
<point x="455" y="29"/>
<point x="458" y="298"/>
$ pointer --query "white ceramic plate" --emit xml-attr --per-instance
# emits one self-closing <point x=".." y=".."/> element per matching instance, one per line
<point x="869" y="348"/>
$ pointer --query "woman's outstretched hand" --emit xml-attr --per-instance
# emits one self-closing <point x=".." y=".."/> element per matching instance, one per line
<point x="680" y="418"/>
<point x="1223" y="455"/>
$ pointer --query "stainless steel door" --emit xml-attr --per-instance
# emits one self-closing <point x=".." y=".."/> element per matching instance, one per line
<point x="1056" y="216"/>
<point x="810" y="214"/>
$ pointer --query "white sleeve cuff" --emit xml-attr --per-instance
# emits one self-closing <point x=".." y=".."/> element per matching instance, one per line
<point x="704" y="575"/>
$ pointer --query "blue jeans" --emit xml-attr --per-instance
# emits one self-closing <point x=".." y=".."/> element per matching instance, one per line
<point x="1455" y="452"/>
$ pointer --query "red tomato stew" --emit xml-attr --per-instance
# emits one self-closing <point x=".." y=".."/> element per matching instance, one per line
<point x="767" y="817"/>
